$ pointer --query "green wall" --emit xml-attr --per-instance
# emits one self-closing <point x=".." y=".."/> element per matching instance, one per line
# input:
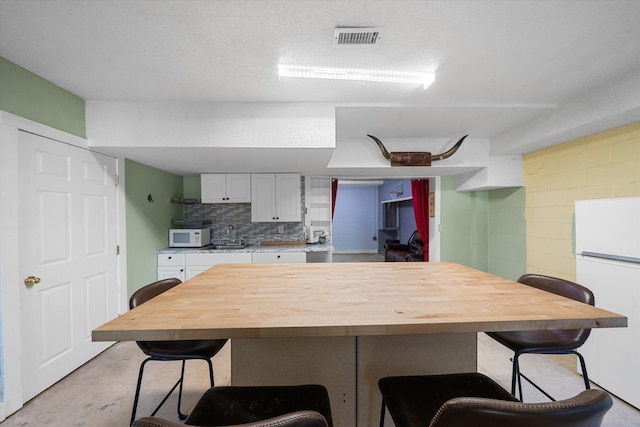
<point x="465" y="225"/>
<point x="148" y="222"/>
<point x="27" y="95"/>
<point x="191" y="187"/>
<point x="507" y="233"/>
<point x="484" y="229"/>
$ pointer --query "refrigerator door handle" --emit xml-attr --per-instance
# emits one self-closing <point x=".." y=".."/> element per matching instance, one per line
<point x="613" y="257"/>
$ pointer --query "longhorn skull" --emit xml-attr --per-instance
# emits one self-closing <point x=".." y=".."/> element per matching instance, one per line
<point x="415" y="158"/>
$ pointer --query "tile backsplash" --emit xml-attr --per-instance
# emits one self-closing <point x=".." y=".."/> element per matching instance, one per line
<point x="239" y="215"/>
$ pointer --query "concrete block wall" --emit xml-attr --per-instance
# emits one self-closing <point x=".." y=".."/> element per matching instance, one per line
<point x="605" y="165"/>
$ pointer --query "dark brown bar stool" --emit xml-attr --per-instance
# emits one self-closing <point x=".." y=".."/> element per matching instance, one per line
<point x="556" y="341"/>
<point x="169" y="351"/>
<point x="295" y="419"/>
<point x="236" y="405"/>
<point x="473" y="399"/>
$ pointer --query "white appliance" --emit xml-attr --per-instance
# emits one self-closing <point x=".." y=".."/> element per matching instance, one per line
<point x="608" y="263"/>
<point x="189" y="237"/>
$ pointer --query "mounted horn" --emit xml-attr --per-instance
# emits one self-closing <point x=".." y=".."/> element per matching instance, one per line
<point x="415" y="158"/>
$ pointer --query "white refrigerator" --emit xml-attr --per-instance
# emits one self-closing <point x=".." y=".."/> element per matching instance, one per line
<point x="608" y="263"/>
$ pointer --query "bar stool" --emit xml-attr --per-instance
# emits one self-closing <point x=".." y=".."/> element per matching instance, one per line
<point x="170" y="351"/>
<point x="234" y="405"/>
<point x="555" y="341"/>
<point x="295" y="419"/>
<point x="473" y="399"/>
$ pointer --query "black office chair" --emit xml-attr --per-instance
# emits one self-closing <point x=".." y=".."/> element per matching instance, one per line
<point x="171" y="350"/>
<point x="268" y="406"/>
<point x="556" y="341"/>
<point x="473" y="399"/>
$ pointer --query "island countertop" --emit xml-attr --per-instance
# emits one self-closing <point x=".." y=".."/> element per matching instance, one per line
<point x="348" y="299"/>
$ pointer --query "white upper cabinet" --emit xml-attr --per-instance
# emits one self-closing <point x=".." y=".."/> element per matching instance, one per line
<point x="275" y="198"/>
<point x="226" y="188"/>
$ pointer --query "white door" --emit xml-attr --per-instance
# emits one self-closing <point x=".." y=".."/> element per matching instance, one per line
<point x="67" y="235"/>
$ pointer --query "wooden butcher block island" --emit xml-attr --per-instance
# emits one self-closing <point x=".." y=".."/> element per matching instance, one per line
<point x="345" y="325"/>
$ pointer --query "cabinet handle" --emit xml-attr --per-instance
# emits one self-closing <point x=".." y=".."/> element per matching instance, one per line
<point x="278" y="256"/>
<point x="168" y="257"/>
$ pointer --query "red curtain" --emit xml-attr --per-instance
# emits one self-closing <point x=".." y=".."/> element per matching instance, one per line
<point x="420" y="193"/>
<point x="334" y="194"/>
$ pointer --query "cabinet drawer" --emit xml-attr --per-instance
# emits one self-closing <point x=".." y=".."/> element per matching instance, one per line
<point x="282" y="257"/>
<point x="213" y="259"/>
<point x="169" y="260"/>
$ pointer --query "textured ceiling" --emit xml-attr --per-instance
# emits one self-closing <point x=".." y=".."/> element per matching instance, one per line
<point x="498" y="64"/>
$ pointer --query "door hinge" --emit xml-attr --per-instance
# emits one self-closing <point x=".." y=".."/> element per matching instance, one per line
<point x="117" y="249"/>
<point x="116" y="179"/>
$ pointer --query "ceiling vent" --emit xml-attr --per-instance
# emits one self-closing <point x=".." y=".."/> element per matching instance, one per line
<point x="357" y="36"/>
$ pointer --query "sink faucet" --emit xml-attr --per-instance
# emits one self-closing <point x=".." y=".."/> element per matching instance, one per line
<point x="231" y="233"/>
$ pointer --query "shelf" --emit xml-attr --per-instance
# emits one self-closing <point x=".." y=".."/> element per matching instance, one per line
<point x="399" y="199"/>
<point x="191" y="223"/>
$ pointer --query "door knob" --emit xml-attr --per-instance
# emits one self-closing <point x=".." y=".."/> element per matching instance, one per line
<point x="31" y="280"/>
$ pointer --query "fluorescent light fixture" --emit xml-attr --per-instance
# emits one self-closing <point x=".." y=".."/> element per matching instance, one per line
<point x="360" y="75"/>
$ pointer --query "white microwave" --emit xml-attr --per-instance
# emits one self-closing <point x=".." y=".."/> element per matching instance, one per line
<point x="189" y="237"/>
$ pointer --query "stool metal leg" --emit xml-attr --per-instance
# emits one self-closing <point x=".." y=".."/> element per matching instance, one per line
<point x="137" y="395"/>
<point x="181" y="416"/>
<point x="583" y="366"/>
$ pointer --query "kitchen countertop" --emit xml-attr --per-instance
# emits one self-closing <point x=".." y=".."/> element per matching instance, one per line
<point x="271" y="248"/>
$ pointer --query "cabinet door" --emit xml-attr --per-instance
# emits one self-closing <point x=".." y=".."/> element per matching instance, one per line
<point x="263" y="190"/>
<point x="288" y="198"/>
<point x="171" y="272"/>
<point x="213" y="188"/>
<point x="238" y="187"/>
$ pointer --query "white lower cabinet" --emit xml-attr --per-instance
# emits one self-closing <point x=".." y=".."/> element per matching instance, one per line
<point x="275" y="258"/>
<point x="185" y="266"/>
<point x="197" y="263"/>
<point x="171" y="266"/>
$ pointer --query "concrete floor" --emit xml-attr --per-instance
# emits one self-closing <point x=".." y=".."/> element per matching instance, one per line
<point x="100" y="393"/>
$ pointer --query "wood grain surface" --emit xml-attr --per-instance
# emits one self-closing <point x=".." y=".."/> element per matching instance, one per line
<point x="347" y="299"/>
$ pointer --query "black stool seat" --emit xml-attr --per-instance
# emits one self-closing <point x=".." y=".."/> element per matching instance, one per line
<point x="180" y="350"/>
<point x="224" y="406"/>
<point x="415" y="400"/>
<point x="545" y="341"/>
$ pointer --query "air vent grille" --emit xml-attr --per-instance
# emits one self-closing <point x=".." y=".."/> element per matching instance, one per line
<point x="357" y="37"/>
